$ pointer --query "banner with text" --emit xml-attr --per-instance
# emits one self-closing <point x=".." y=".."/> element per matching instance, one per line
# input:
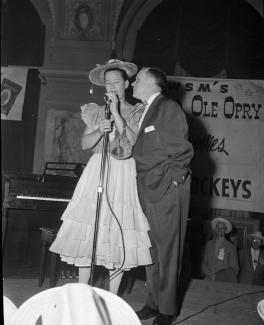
<point x="226" y="120"/>
<point x="13" y="85"/>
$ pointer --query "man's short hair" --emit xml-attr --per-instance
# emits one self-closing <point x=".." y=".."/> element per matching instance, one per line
<point x="159" y="76"/>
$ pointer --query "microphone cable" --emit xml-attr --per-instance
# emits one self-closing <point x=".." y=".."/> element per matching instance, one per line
<point x="216" y="304"/>
<point x="108" y="163"/>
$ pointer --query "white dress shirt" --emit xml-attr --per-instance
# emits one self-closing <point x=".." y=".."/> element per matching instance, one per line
<point x="149" y="102"/>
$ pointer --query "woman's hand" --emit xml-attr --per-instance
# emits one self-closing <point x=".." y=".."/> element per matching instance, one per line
<point x="113" y="98"/>
<point x="105" y="126"/>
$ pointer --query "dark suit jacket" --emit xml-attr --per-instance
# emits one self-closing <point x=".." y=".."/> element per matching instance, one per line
<point x="162" y="150"/>
<point x="247" y="273"/>
<point x="163" y="154"/>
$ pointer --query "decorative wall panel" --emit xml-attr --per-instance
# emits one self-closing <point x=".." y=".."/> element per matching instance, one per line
<point x="63" y="137"/>
<point x="60" y="127"/>
<point x="84" y="20"/>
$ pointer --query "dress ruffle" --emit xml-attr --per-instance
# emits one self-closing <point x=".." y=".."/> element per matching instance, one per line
<point x="74" y="240"/>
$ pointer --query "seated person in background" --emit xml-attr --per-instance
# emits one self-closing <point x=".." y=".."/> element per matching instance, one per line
<point x="252" y="261"/>
<point x="220" y="260"/>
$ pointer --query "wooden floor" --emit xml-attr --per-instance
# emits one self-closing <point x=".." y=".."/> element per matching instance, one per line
<point x="205" y="303"/>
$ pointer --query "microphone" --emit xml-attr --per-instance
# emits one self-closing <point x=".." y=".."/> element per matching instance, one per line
<point x="107" y="107"/>
<point x="107" y="99"/>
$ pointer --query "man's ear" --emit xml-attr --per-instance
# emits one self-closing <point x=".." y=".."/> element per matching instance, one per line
<point x="126" y="84"/>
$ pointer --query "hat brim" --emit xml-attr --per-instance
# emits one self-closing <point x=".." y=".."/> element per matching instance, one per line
<point x="96" y="75"/>
<point x="9" y="309"/>
<point x="256" y="236"/>
<point x="225" y="221"/>
<point x="29" y="312"/>
<point x="260" y="309"/>
<point x="119" y="310"/>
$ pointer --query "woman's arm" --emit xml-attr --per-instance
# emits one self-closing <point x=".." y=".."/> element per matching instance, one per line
<point x="90" y="139"/>
<point x="206" y="265"/>
<point x="119" y="121"/>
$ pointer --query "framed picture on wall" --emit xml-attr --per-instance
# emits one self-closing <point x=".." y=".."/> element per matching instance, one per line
<point x="63" y="134"/>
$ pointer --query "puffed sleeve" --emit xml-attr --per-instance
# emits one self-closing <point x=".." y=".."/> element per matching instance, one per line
<point x="91" y="114"/>
<point x="134" y="117"/>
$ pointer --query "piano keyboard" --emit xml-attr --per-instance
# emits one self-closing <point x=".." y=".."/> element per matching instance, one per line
<point x="28" y="197"/>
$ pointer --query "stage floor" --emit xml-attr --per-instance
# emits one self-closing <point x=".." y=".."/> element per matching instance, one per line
<point x="205" y="302"/>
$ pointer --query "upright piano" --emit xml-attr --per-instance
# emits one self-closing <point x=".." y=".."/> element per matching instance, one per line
<point x="38" y="192"/>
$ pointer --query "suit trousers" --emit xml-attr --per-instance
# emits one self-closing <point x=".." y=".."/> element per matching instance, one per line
<point x="168" y="220"/>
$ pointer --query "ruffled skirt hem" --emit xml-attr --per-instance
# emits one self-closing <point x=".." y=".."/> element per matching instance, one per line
<point x="124" y="265"/>
<point x="74" y="242"/>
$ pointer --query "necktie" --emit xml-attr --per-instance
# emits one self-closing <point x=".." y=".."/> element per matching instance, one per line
<point x="144" y="107"/>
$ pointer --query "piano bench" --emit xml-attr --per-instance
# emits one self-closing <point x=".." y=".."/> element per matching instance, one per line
<point x="47" y="237"/>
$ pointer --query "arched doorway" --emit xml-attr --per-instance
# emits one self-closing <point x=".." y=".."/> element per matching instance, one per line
<point x="194" y="38"/>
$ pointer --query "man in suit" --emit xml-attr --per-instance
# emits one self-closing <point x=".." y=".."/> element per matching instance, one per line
<point x="252" y="261"/>
<point x="163" y="154"/>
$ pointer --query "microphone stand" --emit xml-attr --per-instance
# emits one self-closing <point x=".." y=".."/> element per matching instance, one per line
<point x="99" y="194"/>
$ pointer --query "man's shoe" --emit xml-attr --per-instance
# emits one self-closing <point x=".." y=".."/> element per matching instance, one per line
<point x="163" y="319"/>
<point x="147" y="312"/>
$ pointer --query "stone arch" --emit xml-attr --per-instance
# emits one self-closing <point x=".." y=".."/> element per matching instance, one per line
<point x="46" y="11"/>
<point x="131" y="22"/>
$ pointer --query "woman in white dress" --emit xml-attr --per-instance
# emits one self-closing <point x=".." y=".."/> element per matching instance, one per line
<point x="74" y="240"/>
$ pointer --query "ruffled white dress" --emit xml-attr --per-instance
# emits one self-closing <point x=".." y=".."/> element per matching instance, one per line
<point x="74" y="240"/>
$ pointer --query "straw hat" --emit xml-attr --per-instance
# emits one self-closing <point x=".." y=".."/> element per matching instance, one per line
<point x="225" y="221"/>
<point x="260" y="309"/>
<point x="96" y="75"/>
<point x="257" y="235"/>
<point x="75" y="304"/>
<point x="10" y="310"/>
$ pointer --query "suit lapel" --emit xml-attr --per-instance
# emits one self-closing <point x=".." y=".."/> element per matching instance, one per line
<point x="148" y="116"/>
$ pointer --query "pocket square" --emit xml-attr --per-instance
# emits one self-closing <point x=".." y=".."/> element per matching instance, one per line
<point x="149" y="128"/>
